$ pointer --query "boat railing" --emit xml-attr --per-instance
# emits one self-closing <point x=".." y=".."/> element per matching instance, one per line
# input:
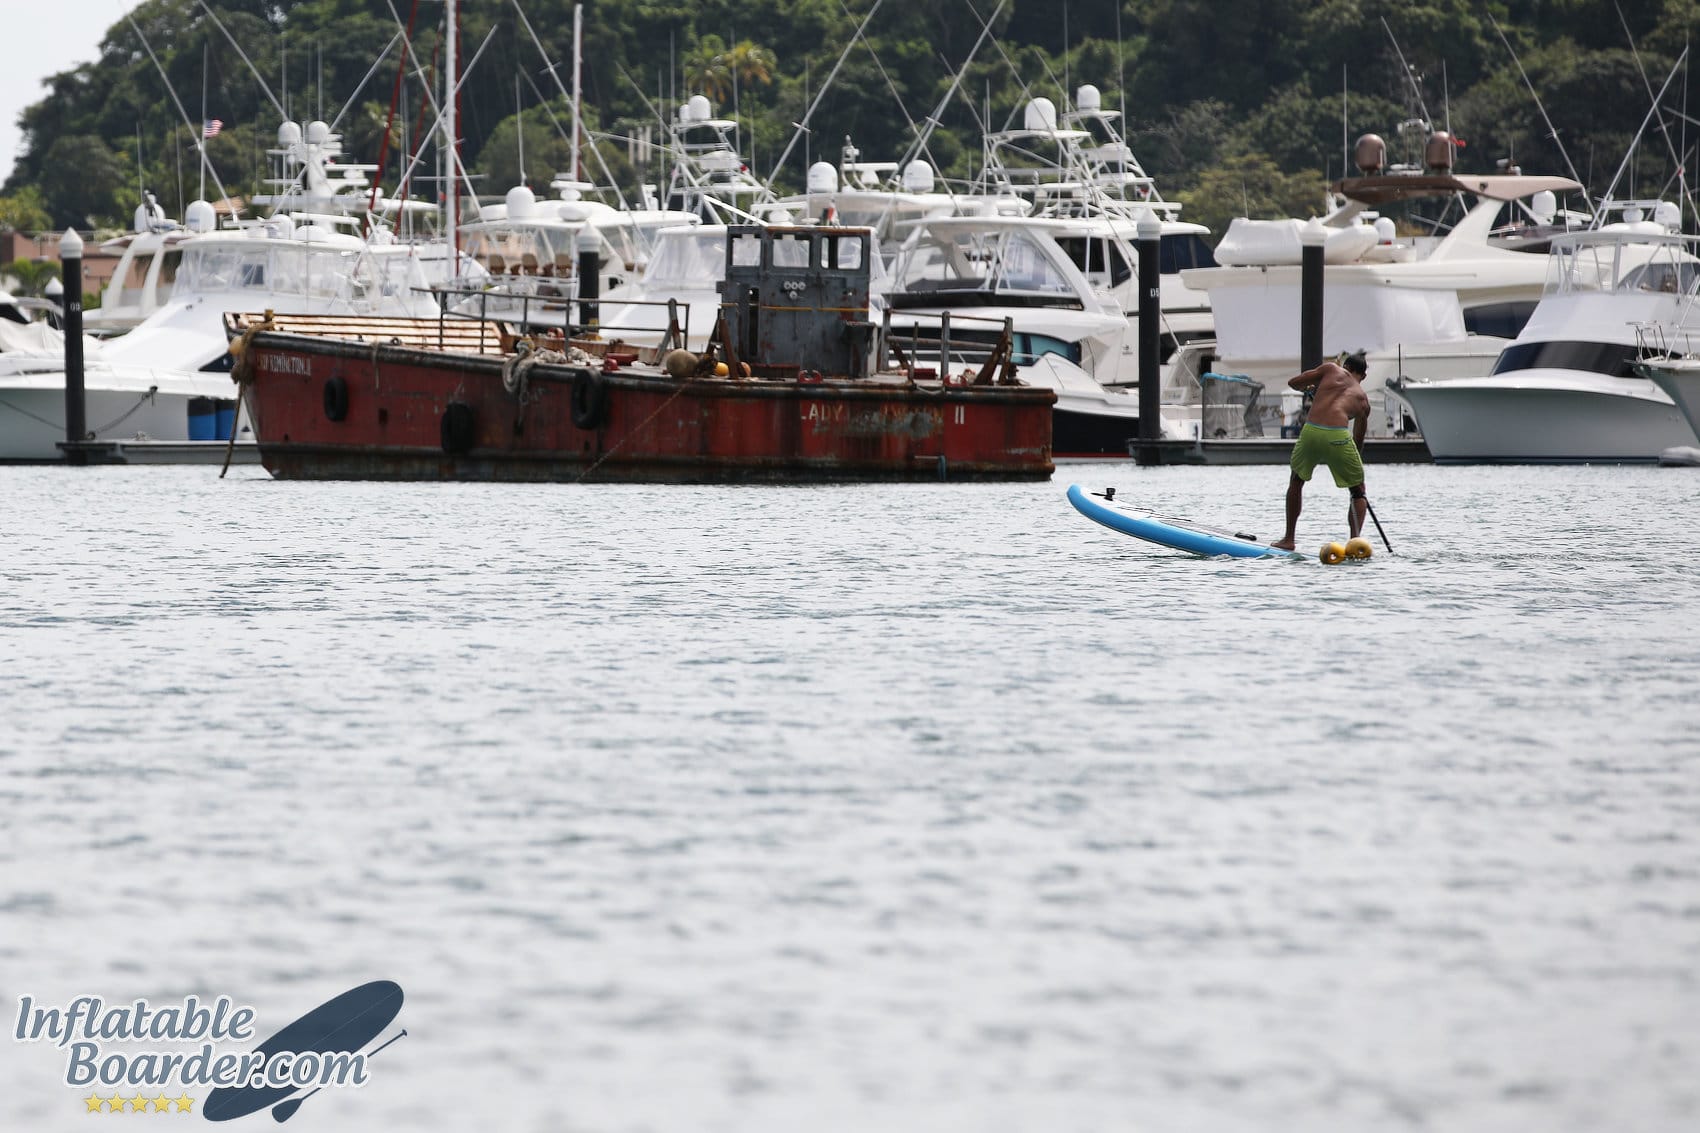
<point x="492" y="305"/>
<point x="947" y="340"/>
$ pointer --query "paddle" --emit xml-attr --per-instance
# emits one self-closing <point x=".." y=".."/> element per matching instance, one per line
<point x="1384" y="541"/>
<point x="285" y="1109"/>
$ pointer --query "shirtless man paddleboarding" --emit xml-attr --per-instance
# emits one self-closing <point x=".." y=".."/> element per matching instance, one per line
<point x="1339" y="399"/>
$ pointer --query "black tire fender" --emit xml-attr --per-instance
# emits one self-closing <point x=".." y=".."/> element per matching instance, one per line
<point x="458" y="426"/>
<point x="589" y="399"/>
<point x="336" y="398"/>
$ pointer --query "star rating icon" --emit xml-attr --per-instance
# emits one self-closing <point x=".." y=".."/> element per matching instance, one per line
<point x="118" y="1103"/>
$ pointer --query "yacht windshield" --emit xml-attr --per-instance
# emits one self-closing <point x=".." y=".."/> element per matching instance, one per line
<point x="297" y="270"/>
<point x="692" y="259"/>
<point x="1007" y="265"/>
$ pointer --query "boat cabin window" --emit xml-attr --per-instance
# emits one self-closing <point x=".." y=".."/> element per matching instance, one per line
<point x="982" y="266"/>
<point x="1501" y="320"/>
<point x="1184" y="250"/>
<point x="790" y="251"/>
<point x="1672" y="279"/>
<point x="746" y="251"/>
<point x="694" y="259"/>
<point x="1098" y="258"/>
<point x="1612" y="358"/>
<point x="840" y="251"/>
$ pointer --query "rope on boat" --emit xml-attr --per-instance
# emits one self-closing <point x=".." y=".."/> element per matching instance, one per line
<point x="242" y="373"/>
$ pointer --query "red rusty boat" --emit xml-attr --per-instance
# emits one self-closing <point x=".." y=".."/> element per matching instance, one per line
<point x="792" y="389"/>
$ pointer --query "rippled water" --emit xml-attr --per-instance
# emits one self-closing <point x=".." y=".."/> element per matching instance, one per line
<point x="907" y="808"/>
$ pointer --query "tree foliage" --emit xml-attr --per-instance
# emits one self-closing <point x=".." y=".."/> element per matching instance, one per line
<point x="1256" y="105"/>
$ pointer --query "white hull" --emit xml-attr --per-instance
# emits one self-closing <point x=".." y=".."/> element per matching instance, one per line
<point x="1547" y="417"/>
<point x="1681" y="384"/>
<point x="32" y="421"/>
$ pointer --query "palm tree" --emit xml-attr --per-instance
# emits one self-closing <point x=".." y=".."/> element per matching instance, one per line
<point x="706" y="71"/>
<point x="752" y="63"/>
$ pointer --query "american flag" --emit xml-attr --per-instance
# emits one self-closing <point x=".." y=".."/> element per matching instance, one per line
<point x="211" y="127"/>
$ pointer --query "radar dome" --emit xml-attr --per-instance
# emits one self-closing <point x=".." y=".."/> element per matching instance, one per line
<point x="1544" y="206"/>
<point x="521" y="202"/>
<point x="200" y="217"/>
<point x="1370" y="154"/>
<point x="917" y="177"/>
<point x="1385" y="230"/>
<point x="1668" y="216"/>
<point x="1437" y="152"/>
<point x="823" y="178"/>
<point x="1088" y="98"/>
<point x="696" y="109"/>
<point x="1040" y="115"/>
<point x="318" y="133"/>
<point x="288" y="134"/>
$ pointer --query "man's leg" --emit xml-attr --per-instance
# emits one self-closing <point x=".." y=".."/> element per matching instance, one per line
<point x="1355" y="510"/>
<point x="1295" y="501"/>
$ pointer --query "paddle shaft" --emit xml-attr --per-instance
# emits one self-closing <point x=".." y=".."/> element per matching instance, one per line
<point x="1371" y="508"/>
<point x="285" y="1109"/>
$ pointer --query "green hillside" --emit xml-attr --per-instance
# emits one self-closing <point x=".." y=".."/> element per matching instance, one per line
<point x="1234" y="107"/>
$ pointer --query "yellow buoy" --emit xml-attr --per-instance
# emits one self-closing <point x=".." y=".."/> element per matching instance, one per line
<point x="1359" y="548"/>
<point x="1332" y="553"/>
<point x="720" y="370"/>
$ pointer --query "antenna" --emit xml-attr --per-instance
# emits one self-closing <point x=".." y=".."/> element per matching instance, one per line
<point x="1410" y="75"/>
<point x="519" y="130"/>
<point x="253" y="69"/>
<point x="193" y="129"/>
<point x="202" y="193"/>
<point x="1345" y="130"/>
<point x="1675" y="155"/>
<point x="803" y="126"/>
<point x="1552" y="131"/>
<point x="1651" y="112"/>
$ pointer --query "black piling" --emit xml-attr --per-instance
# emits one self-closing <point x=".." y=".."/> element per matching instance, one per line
<point x="1311" y="238"/>
<point x="589" y="280"/>
<point x="76" y="400"/>
<point x="1150" y="339"/>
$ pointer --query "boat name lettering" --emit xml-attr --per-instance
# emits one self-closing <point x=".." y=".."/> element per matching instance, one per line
<point x="285" y="364"/>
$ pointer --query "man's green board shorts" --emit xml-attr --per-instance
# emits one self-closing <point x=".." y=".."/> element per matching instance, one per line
<point x="1331" y="445"/>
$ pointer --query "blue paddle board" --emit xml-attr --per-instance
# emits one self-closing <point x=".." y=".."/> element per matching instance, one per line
<point x="1169" y="530"/>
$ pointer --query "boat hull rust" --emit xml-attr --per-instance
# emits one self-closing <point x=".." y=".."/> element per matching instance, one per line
<point x="652" y="427"/>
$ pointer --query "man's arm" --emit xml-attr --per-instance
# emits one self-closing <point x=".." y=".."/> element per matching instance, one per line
<point x="1310" y="379"/>
<point x="1360" y="425"/>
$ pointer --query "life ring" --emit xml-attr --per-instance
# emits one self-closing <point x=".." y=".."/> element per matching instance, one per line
<point x="336" y="398"/>
<point x="457" y="427"/>
<point x="589" y="399"/>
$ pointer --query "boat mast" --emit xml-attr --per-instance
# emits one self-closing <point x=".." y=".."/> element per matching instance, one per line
<point x="451" y="213"/>
<point x="578" y="55"/>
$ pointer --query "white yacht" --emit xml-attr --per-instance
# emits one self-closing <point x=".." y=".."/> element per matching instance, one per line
<point x="528" y="249"/>
<point x="1081" y="167"/>
<point x="685" y="268"/>
<point x="958" y="282"/>
<point x="866" y="194"/>
<point x="146" y="269"/>
<point x="1569" y="390"/>
<point x="155" y="381"/>
<point x="1679" y="377"/>
<point x="1422" y="306"/>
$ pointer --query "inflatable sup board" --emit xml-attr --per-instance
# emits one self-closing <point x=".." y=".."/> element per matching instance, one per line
<point x="1169" y="530"/>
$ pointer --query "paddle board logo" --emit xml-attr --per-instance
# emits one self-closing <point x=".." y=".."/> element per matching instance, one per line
<point x="114" y="1057"/>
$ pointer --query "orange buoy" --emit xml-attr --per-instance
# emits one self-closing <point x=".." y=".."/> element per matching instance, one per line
<point x="1332" y="553"/>
<point x="1359" y="548"/>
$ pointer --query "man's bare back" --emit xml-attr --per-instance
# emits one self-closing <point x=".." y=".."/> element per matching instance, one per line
<point x="1340" y="399"/>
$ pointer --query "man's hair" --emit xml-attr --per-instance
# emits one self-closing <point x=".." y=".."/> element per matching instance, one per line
<point x="1356" y="364"/>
